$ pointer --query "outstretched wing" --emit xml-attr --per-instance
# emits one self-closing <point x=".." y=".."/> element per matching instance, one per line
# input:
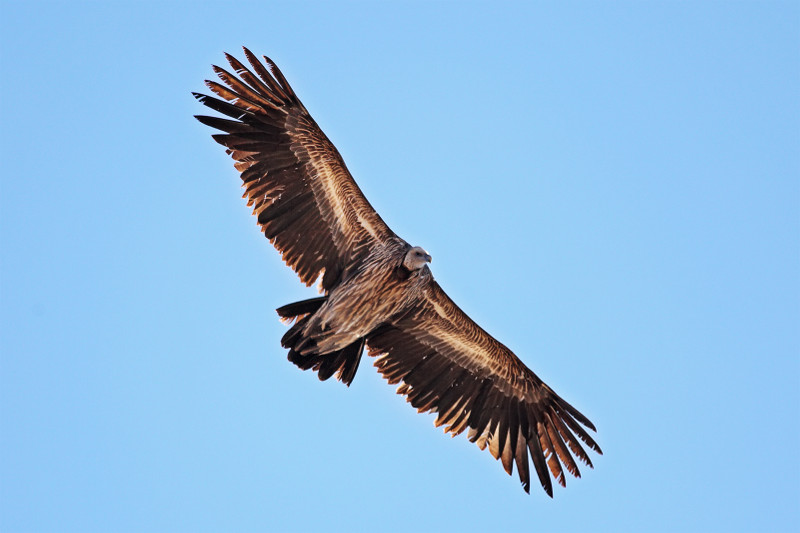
<point x="449" y="365"/>
<point x="306" y="201"/>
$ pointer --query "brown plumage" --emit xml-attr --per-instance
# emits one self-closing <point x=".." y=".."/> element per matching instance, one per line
<point x="377" y="289"/>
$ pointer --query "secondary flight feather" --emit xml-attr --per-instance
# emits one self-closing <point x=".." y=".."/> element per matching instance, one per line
<point x="378" y="291"/>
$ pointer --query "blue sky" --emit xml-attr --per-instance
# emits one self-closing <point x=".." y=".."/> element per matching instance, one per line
<point x="612" y="190"/>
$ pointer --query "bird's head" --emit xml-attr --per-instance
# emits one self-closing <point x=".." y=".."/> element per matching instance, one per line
<point x="416" y="258"/>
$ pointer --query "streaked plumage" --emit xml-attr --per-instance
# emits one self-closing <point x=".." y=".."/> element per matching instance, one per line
<point x="377" y="290"/>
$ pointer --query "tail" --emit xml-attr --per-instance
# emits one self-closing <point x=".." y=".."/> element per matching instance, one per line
<point x="343" y="363"/>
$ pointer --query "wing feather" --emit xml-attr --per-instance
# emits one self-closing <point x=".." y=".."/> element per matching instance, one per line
<point x="306" y="201"/>
<point x="445" y="363"/>
<point x="451" y="398"/>
<point x="263" y="74"/>
<point x="521" y="457"/>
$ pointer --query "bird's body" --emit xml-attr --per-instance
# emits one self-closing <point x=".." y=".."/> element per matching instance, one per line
<point x="377" y="290"/>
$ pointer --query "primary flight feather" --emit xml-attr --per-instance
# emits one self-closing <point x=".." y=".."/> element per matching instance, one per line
<point x="377" y="290"/>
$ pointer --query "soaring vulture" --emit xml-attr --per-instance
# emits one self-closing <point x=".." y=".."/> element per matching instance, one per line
<point x="377" y="290"/>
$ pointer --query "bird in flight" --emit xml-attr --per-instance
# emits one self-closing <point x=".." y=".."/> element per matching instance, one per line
<point x="377" y="290"/>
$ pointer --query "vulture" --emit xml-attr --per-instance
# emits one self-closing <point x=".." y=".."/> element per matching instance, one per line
<point x="377" y="291"/>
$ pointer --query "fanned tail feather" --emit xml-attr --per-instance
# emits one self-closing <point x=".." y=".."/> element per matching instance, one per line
<point x="298" y="309"/>
<point x="342" y="363"/>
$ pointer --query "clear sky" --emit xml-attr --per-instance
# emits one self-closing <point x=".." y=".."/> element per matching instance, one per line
<point x="611" y="189"/>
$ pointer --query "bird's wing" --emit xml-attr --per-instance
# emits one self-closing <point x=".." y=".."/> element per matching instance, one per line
<point x="449" y="365"/>
<point x="306" y="201"/>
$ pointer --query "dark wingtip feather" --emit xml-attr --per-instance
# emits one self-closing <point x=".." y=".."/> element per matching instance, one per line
<point x="585" y="421"/>
<point x="598" y="450"/>
<point x="281" y="79"/>
<point x="580" y="417"/>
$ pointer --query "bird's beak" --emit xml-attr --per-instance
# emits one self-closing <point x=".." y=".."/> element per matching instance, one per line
<point x="428" y="258"/>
